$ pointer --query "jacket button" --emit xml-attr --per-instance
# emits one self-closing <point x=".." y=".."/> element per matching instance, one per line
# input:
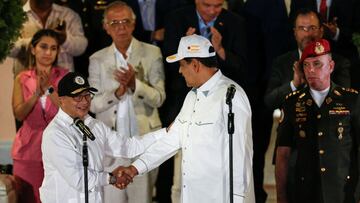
<point x="318" y="116"/>
<point x="323" y="169"/>
<point x="321" y="151"/>
<point x="320" y="133"/>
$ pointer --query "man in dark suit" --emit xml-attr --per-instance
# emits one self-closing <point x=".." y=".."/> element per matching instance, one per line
<point x="341" y="19"/>
<point x="284" y="77"/>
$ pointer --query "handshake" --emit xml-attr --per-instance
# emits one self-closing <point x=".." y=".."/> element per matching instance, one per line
<point x="122" y="176"/>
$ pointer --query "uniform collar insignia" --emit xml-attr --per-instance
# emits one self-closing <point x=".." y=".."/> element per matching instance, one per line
<point x="328" y="100"/>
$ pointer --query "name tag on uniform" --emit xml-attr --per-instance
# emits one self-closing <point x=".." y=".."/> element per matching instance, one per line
<point x="339" y="112"/>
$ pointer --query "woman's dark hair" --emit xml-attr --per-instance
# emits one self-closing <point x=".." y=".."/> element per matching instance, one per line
<point x="36" y="39"/>
<point x="42" y="33"/>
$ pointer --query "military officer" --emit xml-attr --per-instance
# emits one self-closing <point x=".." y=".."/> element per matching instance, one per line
<point x="318" y="136"/>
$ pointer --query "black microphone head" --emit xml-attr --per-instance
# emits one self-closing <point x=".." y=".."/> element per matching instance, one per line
<point x="230" y="93"/>
<point x="83" y="128"/>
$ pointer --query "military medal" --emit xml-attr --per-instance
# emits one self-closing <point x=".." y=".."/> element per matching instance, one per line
<point x="340" y="130"/>
<point x="302" y="134"/>
<point x="309" y="102"/>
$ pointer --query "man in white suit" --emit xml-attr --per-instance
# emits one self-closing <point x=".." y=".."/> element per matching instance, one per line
<point x="130" y="78"/>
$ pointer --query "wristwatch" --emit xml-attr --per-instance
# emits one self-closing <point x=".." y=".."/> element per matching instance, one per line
<point x="49" y="91"/>
<point x="112" y="179"/>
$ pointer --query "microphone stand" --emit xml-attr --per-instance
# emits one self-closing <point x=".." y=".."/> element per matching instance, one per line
<point x="231" y="132"/>
<point x="85" y="164"/>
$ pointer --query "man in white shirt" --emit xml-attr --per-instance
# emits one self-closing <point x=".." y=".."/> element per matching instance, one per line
<point x="43" y="14"/>
<point x="138" y="67"/>
<point x="63" y="142"/>
<point x="200" y="131"/>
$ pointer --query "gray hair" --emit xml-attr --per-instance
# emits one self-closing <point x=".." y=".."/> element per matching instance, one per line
<point x="118" y="4"/>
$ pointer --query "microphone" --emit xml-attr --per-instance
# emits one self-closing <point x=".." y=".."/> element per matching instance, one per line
<point x="230" y="93"/>
<point x="83" y="128"/>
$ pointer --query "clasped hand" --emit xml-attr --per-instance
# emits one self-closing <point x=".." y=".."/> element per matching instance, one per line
<point x="124" y="176"/>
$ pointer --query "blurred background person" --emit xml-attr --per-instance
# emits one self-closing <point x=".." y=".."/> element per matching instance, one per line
<point x="46" y="14"/>
<point x="35" y="102"/>
<point x="136" y="67"/>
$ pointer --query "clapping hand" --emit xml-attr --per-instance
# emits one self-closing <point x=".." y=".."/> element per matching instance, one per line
<point x="61" y="30"/>
<point x="43" y="82"/>
<point x="216" y="40"/>
<point x="331" y="27"/>
<point x="126" y="77"/>
<point x="298" y="77"/>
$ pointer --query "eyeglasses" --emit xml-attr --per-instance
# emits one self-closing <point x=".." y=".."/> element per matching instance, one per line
<point x="311" y="28"/>
<point x="88" y="97"/>
<point x="118" y="23"/>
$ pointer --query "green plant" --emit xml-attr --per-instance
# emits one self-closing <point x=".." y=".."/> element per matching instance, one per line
<point x="12" y="17"/>
<point x="356" y="39"/>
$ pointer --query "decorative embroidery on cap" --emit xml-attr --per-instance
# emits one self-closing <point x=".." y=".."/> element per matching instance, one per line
<point x="79" y="80"/>
<point x="319" y="48"/>
<point x="193" y="48"/>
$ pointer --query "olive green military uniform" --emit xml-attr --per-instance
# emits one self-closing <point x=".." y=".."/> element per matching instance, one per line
<point x="325" y="145"/>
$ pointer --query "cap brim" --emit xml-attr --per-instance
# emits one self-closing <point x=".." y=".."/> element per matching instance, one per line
<point x="80" y="90"/>
<point x="173" y="58"/>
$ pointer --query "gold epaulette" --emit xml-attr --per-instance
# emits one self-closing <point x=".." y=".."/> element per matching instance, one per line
<point x="292" y="94"/>
<point x="350" y="90"/>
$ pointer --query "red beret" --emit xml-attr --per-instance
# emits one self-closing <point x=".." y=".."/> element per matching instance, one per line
<point x="316" y="48"/>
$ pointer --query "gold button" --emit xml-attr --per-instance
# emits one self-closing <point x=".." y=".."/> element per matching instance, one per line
<point x="318" y="116"/>
<point x="323" y="169"/>
<point x="84" y="9"/>
<point x="320" y="133"/>
<point x="321" y="151"/>
<point x="86" y="25"/>
<point x="348" y="177"/>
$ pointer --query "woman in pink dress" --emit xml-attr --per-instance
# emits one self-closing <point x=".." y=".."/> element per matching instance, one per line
<point x="35" y="102"/>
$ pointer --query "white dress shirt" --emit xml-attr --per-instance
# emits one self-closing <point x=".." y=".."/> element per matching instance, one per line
<point x="62" y="157"/>
<point x="74" y="45"/>
<point x="200" y="130"/>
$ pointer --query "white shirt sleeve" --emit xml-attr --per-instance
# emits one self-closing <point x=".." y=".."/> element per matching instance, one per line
<point x="160" y="151"/>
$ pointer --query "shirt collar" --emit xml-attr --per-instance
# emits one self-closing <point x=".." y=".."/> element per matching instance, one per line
<point x="128" y="51"/>
<point x="202" y="22"/>
<point x="209" y="85"/>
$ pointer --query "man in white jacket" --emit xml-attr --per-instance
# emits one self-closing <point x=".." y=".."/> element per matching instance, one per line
<point x="137" y="67"/>
<point x="200" y="131"/>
